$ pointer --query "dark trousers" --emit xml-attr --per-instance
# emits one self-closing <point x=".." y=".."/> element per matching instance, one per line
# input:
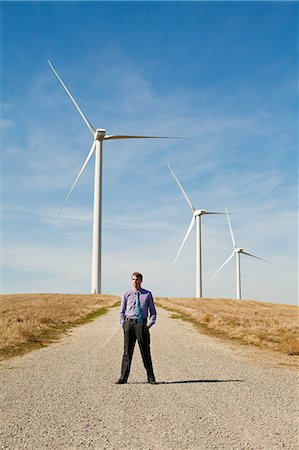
<point x="133" y="331"/>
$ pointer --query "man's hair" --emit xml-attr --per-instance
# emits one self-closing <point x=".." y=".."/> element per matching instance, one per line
<point x="137" y="275"/>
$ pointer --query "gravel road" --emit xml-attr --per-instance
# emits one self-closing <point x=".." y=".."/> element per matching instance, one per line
<point x="63" y="397"/>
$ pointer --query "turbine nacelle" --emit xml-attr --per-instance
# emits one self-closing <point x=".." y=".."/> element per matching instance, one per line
<point x="199" y="212"/>
<point x="239" y="250"/>
<point x="99" y="134"/>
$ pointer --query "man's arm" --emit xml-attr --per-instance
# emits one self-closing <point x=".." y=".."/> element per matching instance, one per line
<point x="153" y="312"/>
<point x="123" y="308"/>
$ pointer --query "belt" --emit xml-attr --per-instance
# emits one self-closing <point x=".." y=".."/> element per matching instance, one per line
<point x="128" y="319"/>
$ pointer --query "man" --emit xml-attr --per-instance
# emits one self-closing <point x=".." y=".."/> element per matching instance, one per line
<point x="135" y="306"/>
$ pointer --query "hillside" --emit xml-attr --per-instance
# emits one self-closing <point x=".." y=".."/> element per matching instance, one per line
<point x="268" y="325"/>
<point x="29" y="321"/>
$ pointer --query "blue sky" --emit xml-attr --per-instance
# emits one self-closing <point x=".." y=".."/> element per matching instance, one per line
<point x="223" y="74"/>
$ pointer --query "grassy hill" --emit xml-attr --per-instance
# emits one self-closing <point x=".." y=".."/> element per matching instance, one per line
<point x="268" y="325"/>
<point x="29" y="321"/>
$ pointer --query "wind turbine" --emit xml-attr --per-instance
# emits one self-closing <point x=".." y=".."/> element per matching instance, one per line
<point x="196" y="219"/>
<point x="237" y="251"/>
<point x="99" y="135"/>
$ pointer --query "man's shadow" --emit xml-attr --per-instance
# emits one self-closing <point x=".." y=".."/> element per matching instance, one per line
<point x="191" y="381"/>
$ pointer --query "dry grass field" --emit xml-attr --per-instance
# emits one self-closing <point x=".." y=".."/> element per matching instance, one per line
<point x="267" y="325"/>
<point x="30" y="321"/>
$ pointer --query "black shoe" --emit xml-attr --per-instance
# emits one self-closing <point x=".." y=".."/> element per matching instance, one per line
<point x="152" y="382"/>
<point x="121" y="381"/>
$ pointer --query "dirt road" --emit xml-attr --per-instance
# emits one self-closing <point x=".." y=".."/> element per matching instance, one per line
<point x="63" y="397"/>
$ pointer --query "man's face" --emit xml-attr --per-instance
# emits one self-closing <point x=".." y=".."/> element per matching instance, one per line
<point x="136" y="282"/>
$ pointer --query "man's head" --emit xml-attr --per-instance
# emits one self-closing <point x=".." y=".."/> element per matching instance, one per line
<point x="136" y="280"/>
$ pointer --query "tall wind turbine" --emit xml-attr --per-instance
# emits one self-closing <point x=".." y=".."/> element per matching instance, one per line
<point x="196" y="219"/>
<point x="99" y="135"/>
<point x="237" y="251"/>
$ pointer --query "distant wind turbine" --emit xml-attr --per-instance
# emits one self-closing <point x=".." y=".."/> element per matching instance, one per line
<point x="99" y="135"/>
<point x="237" y="251"/>
<point x="196" y="218"/>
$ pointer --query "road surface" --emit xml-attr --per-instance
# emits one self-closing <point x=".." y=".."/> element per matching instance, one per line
<point x="63" y="397"/>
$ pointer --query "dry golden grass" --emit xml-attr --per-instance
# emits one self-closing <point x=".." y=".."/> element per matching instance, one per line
<point x="30" y="321"/>
<point x="269" y="325"/>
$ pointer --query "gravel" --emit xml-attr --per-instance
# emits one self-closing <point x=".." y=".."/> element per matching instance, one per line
<point x="209" y="395"/>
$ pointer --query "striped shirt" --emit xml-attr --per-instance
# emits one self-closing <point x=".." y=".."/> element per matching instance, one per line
<point x="147" y="305"/>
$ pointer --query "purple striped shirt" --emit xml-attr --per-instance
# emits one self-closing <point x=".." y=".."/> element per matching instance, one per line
<point x="147" y="305"/>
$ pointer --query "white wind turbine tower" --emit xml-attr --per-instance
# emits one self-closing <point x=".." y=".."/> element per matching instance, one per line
<point x="196" y="218"/>
<point x="99" y="135"/>
<point x="237" y="251"/>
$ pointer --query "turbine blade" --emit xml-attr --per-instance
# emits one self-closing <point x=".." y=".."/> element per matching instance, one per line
<point x="253" y="256"/>
<point x="185" y="238"/>
<point x="228" y="259"/>
<point x="230" y="227"/>
<point x="78" y="176"/>
<point x="124" y="136"/>
<point x="92" y="129"/>
<point x="181" y="188"/>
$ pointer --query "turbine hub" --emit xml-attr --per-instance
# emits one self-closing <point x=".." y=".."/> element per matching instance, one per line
<point x="99" y="134"/>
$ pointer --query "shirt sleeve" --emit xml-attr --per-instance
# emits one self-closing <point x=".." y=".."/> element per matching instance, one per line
<point x="123" y="308"/>
<point x="152" y="309"/>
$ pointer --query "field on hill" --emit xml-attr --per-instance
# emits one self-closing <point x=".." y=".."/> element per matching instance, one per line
<point x="262" y="324"/>
<point x="29" y="321"/>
